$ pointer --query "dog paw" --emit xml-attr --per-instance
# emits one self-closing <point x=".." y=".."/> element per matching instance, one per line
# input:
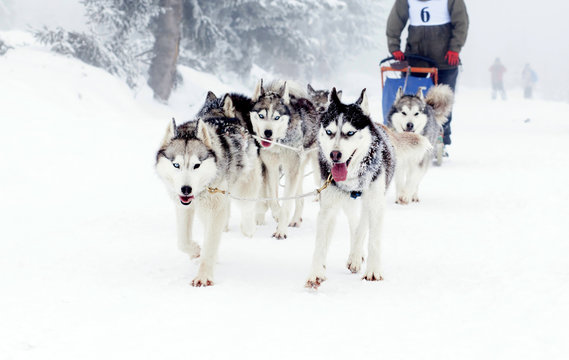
<point x="192" y="249"/>
<point x="279" y="235"/>
<point x="200" y="281"/>
<point x="355" y="263"/>
<point x="372" y="276"/>
<point x="402" y="200"/>
<point x="314" y="282"/>
<point x="295" y="223"/>
<point x="415" y="198"/>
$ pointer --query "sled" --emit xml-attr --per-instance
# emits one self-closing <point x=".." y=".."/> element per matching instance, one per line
<point x="399" y="74"/>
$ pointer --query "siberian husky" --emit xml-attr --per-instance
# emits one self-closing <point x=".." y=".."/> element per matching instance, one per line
<point x="283" y="115"/>
<point x="208" y="154"/>
<point x="360" y="159"/>
<point x="424" y="116"/>
<point x="320" y="98"/>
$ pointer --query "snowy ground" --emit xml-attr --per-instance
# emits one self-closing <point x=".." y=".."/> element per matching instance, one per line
<point x="90" y="270"/>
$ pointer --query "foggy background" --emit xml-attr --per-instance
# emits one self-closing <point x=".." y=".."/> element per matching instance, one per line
<point x="518" y="32"/>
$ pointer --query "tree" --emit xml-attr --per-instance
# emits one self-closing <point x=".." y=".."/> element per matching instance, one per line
<point x="167" y="34"/>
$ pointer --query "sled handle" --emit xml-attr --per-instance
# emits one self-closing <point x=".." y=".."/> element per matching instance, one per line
<point x="412" y="57"/>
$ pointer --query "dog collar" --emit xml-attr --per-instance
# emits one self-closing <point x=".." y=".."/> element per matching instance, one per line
<point x="355" y="194"/>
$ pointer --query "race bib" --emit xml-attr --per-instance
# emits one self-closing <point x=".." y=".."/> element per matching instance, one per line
<point x="428" y="13"/>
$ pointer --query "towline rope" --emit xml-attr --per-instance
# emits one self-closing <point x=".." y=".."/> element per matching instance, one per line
<point x="315" y="192"/>
<point x="300" y="150"/>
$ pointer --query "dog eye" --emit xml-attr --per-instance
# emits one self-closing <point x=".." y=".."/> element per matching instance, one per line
<point x="416" y="113"/>
<point x="261" y="116"/>
<point x="277" y="117"/>
<point x="176" y="165"/>
<point x="350" y="133"/>
<point x="404" y="113"/>
<point x="196" y="166"/>
<point x="328" y="132"/>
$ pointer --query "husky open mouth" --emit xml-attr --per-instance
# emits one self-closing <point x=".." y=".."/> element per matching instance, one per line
<point x="186" y="200"/>
<point x="266" y="143"/>
<point x="340" y="170"/>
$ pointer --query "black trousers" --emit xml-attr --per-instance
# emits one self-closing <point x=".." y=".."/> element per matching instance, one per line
<point x="448" y="76"/>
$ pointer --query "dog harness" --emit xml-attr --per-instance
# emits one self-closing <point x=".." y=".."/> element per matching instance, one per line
<point x="355" y="194"/>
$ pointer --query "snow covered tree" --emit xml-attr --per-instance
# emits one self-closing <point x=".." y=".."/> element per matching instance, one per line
<point x="289" y="37"/>
<point x="118" y="38"/>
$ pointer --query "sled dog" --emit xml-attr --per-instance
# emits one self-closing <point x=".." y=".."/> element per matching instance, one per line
<point x="230" y="105"/>
<point x="424" y="116"/>
<point x="361" y="161"/>
<point x="320" y="98"/>
<point x="282" y="114"/>
<point x="202" y="154"/>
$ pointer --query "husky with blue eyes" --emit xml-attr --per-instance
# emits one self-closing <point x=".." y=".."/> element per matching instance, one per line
<point x="207" y="154"/>
<point x="423" y="115"/>
<point x="283" y="119"/>
<point x="357" y="157"/>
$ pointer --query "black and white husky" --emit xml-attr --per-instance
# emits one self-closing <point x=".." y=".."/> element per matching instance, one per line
<point x="424" y="116"/>
<point x="361" y="160"/>
<point x="213" y="153"/>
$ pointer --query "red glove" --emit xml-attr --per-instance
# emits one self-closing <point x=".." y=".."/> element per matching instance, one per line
<point x="398" y="55"/>
<point x="452" y="58"/>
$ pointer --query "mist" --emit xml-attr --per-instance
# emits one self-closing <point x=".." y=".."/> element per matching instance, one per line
<point x="518" y="32"/>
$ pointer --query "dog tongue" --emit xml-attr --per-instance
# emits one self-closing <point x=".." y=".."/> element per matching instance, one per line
<point x="265" y="143"/>
<point x="339" y="172"/>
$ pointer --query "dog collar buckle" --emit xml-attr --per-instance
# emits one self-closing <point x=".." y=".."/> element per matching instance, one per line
<point x="355" y="194"/>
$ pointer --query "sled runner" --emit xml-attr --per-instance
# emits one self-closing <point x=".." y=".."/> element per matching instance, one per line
<point x="396" y="74"/>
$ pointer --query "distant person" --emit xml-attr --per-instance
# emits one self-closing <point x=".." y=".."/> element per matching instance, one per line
<point x="497" y="71"/>
<point x="529" y="78"/>
<point x="437" y="30"/>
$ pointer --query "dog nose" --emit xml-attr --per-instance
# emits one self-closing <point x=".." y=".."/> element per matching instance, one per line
<point x="335" y="156"/>
<point x="409" y="126"/>
<point x="186" y="190"/>
<point x="268" y="133"/>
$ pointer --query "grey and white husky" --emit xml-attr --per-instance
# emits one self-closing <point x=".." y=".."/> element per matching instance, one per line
<point x="361" y="161"/>
<point x="320" y="98"/>
<point x="230" y="105"/>
<point x="424" y="116"/>
<point x="282" y="114"/>
<point x="202" y="154"/>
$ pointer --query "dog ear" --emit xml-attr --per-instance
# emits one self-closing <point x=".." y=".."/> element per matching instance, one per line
<point x="210" y="97"/>
<point x="285" y="94"/>
<point x="399" y="93"/>
<point x="339" y="94"/>
<point x="259" y="91"/>
<point x="203" y="134"/>
<point x="419" y="93"/>
<point x="311" y="91"/>
<point x="171" y="132"/>
<point x="334" y="99"/>
<point x="228" y="107"/>
<point x="363" y="103"/>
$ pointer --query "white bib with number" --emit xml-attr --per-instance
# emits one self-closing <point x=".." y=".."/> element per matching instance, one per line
<point x="428" y="13"/>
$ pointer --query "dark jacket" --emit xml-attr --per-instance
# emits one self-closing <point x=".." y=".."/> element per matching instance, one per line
<point x="430" y="41"/>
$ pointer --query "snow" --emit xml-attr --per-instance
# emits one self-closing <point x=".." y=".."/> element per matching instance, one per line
<point x="90" y="268"/>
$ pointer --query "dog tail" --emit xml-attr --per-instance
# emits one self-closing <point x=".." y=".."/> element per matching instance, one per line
<point x="409" y="146"/>
<point x="440" y="97"/>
